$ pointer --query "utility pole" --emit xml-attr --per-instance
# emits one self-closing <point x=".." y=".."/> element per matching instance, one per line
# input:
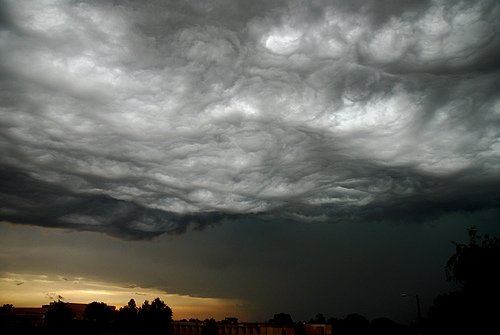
<point x="419" y="313"/>
<point x="419" y="316"/>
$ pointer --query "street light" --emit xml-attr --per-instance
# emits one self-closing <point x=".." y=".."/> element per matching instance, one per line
<point x="419" y="315"/>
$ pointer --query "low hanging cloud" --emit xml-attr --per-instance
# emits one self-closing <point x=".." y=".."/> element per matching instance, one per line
<point x="140" y="118"/>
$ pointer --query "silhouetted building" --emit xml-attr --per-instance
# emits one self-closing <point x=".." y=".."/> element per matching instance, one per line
<point x="35" y="316"/>
<point x="31" y="316"/>
<point x="230" y="326"/>
<point x="317" y="329"/>
<point x="187" y="328"/>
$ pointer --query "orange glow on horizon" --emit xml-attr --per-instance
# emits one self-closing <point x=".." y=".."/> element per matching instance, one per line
<point x="28" y="290"/>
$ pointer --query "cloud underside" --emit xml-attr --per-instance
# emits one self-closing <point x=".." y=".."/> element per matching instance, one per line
<point x="138" y="119"/>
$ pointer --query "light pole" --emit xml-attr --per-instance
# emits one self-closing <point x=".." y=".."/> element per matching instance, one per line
<point x="419" y="315"/>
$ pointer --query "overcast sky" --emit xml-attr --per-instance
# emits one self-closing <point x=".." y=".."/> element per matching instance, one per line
<point x="281" y="156"/>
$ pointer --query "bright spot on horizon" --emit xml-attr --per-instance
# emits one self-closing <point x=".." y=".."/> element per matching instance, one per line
<point x="31" y="290"/>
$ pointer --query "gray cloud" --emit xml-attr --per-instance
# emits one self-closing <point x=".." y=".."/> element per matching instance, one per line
<point x="30" y="201"/>
<point x="138" y="118"/>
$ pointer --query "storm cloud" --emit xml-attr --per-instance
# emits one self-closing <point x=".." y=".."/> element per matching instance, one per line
<point x="139" y="118"/>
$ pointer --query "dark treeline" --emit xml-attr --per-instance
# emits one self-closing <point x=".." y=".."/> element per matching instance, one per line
<point x="473" y="309"/>
<point x="352" y="324"/>
<point x="59" y="318"/>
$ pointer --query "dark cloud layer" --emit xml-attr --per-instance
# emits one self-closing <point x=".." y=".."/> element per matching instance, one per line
<point x="138" y="118"/>
<point x="27" y="200"/>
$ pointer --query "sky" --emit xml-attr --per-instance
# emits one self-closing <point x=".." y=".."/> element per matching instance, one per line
<point x="245" y="158"/>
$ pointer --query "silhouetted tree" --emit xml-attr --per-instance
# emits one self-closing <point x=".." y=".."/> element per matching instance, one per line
<point x="282" y="319"/>
<point x="210" y="327"/>
<point x="475" y="264"/>
<point x="356" y="324"/>
<point x="475" y="309"/>
<point x="319" y="318"/>
<point x="59" y="315"/>
<point x="6" y="309"/>
<point x="156" y="316"/>
<point x="127" y="317"/>
<point x="98" y="313"/>
<point x="449" y="314"/>
<point x="5" y="312"/>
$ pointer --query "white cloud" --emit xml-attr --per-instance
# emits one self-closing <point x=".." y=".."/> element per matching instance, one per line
<point x="284" y="40"/>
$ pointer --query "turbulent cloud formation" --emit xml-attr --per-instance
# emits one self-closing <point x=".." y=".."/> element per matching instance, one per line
<point x="137" y="118"/>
